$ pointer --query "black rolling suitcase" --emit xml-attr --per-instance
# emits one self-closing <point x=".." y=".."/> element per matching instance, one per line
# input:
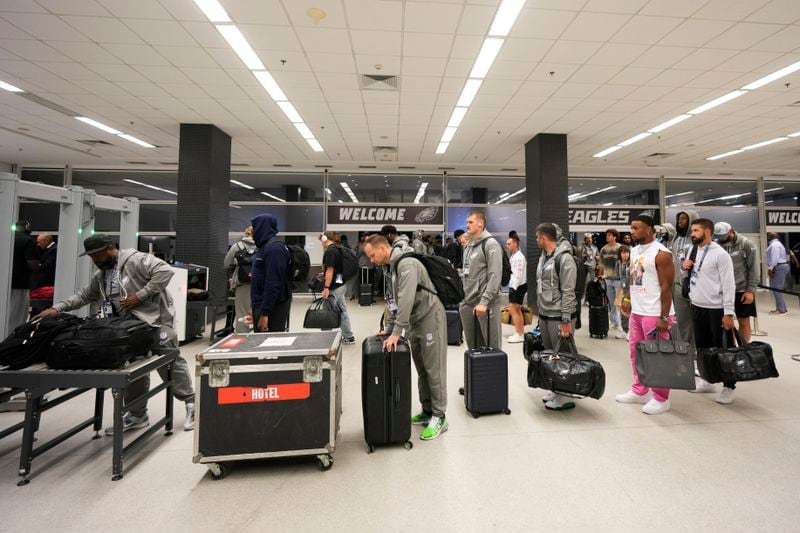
<point x="597" y="297"/>
<point x="365" y="288"/>
<point x="485" y="379"/>
<point x="455" y="332"/>
<point x="386" y="393"/>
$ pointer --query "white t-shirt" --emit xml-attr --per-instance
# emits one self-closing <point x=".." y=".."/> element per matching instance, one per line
<point x="645" y="288"/>
<point x="519" y="274"/>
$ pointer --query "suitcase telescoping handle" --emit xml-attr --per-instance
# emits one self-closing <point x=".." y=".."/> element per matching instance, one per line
<point x="476" y="325"/>
<point x="394" y="380"/>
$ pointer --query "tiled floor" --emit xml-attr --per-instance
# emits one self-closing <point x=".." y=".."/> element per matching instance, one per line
<point x="600" y="467"/>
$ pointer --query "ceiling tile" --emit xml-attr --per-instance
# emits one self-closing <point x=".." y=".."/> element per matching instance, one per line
<point x="615" y="6"/>
<point x="184" y="11"/>
<point x="705" y="59"/>
<point x="333" y="81"/>
<point x="431" y="17"/>
<point x="635" y="76"/>
<point x="184" y="90"/>
<point x="674" y="8"/>
<point x="332" y="62"/>
<point x="744" y="35"/>
<point x="423" y="66"/>
<point x="729" y="9"/>
<point x="516" y="49"/>
<point x="334" y="41"/>
<point x="32" y="50"/>
<point x="370" y="15"/>
<point x="641" y="29"/>
<point x="696" y="32"/>
<point x="333" y="10"/>
<point x="421" y="84"/>
<point x="262" y="37"/>
<point x="475" y="20"/>
<point x="204" y="76"/>
<point x="594" y="26"/>
<point x="84" y="52"/>
<point x="575" y="52"/>
<point x="161" y="32"/>
<point x="69" y="70"/>
<point x="74" y="7"/>
<point x="617" y="54"/>
<point x="186" y="56"/>
<point x="778" y="12"/>
<point x="136" y="54"/>
<point x="44" y="26"/>
<point x="428" y="45"/>
<point x="376" y="42"/>
<point x="541" y="23"/>
<point x="103" y="29"/>
<point x="748" y="61"/>
<point x="662" y="56"/>
<point x="576" y="90"/>
<point x="508" y="70"/>
<point x="260" y="12"/>
<point x="466" y="47"/>
<point x="785" y="40"/>
<point x="162" y="74"/>
<point x="9" y="31"/>
<point x="368" y="64"/>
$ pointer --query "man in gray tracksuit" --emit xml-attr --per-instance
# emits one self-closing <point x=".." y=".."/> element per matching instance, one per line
<point x="483" y="271"/>
<point x="746" y="272"/>
<point x="129" y="281"/>
<point x="556" y="276"/>
<point x="680" y="247"/>
<point x="421" y="320"/>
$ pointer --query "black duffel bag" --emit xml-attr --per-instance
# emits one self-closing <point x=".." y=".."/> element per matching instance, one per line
<point x="566" y="372"/>
<point x="322" y="315"/>
<point x="745" y="362"/>
<point x="28" y="343"/>
<point x="101" y="343"/>
<point x="531" y="343"/>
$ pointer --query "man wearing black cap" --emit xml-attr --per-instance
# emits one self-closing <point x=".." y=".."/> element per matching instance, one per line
<point x="129" y="281"/>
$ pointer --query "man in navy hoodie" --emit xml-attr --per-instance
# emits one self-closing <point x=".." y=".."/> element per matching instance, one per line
<point x="270" y="292"/>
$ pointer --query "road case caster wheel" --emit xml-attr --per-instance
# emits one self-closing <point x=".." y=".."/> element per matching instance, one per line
<point x="23" y="482"/>
<point x="117" y="477"/>
<point x="507" y="411"/>
<point x="325" y="462"/>
<point x="168" y="434"/>
<point x="461" y="391"/>
<point x="370" y="448"/>
<point x="219" y="470"/>
<point x="408" y="445"/>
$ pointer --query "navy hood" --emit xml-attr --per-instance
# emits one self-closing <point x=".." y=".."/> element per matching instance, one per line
<point x="265" y="227"/>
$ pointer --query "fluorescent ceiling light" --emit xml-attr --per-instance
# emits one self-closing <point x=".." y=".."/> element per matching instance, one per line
<point x="769" y="201"/>
<point x="678" y="194"/>
<point x="728" y="197"/>
<point x="505" y="17"/>
<point x="10" y="88"/>
<point x="349" y="192"/>
<point x="458" y="115"/>
<point x="726" y="154"/>
<point x="240" y="184"/>
<point x="150" y="186"/>
<point x="717" y="101"/>
<point x="289" y="110"/>
<point x="573" y="195"/>
<point x="504" y="194"/>
<point x="268" y="82"/>
<point x="670" y="122"/>
<point x="421" y="192"/>
<point x="341" y="201"/>
<point x="272" y="196"/>
<point x="442" y="148"/>
<point x="598" y="191"/>
<point x="512" y="195"/>
<point x="778" y="74"/>
<point x="133" y="139"/>
<point x="607" y="151"/>
<point x="765" y="143"/>
<point x="608" y="204"/>
<point x="635" y="138"/>
<point x="795" y="134"/>
<point x="448" y="134"/>
<point x="213" y="10"/>
<point x="304" y="130"/>
<point x="489" y="50"/>
<point x="315" y="145"/>
<point x="468" y="92"/>
<point x="240" y="45"/>
<point x="775" y="189"/>
<point x="99" y="125"/>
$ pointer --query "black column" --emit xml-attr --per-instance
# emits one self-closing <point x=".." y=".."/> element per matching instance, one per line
<point x="546" y="193"/>
<point x="204" y="171"/>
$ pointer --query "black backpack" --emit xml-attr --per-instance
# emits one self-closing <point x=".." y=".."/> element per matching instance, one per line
<point x="301" y="263"/>
<point x="506" y="277"/>
<point x="349" y="263"/>
<point x="244" y="263"/>
<point x="29" y="343"/>
<point x="445" y="279"/>
<point x="101" y="343"/>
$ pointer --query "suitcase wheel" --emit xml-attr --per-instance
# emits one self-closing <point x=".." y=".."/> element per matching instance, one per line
<point x="461" y="391"/>
<point x="370" y="448"/>
<point x="408" y="445"/>
<point x="219" y="470"/>
<point x="507" y="411"/>
<point x="325" y="462"/>
<point x="476" y="414"/>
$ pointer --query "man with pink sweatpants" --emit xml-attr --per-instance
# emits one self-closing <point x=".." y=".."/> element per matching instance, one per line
<point x="649" y="306"/>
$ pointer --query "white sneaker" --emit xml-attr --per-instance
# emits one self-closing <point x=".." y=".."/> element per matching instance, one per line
<point x="515" y="338"/>
<point x="621" y="335"/>
<point x="725" y="396"/>
<point x="550" y="397"/>
<point x="560" y="403"/>
<point x="654" y="407"/>
<point x="632" y="397"/>
<point x="703" y="387"/>
<point x="188" y="423"/>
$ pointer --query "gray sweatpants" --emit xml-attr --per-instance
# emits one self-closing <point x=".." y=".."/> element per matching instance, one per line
<point x="165" y="339"/>
<point x="242" y="303"/>
<point x="428" y="341"/>
<point x="683" y="315"/>
<point x="492" y="322"/>
<point x="551" y="332"/>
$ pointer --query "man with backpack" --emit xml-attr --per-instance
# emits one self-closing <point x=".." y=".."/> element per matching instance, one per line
<point x="421" y="320"/>
<point x="483" y="271"/>
<point x="270" y="291"/>
<point x="340" y="265"/>
<point x="239" y="262"/>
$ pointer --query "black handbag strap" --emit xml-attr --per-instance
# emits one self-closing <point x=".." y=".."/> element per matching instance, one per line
<point x="570" y="341"/>
<point x="736" y="336"/>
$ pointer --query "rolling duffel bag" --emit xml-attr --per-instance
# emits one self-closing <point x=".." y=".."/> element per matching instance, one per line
<point x="665" y="363"/>
<point x="101" y="343"/>
<point x="745" y="362"/>
<point x="566" y="372"/>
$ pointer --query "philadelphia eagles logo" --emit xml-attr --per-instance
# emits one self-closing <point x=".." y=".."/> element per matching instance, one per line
<point x="427" y="214"/>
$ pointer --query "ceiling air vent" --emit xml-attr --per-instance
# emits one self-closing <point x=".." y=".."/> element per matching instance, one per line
<point x="695" y="173"/>
<point x="378" y="82"/>
<point x="509" y="170"/>
<point x="323" y="166"/>
<point x="95" y="142"/>
<point x="724" y="173"/>
<point x="282" y="165"/>
<point x="367" y="166"/>
<point x="659" y="155"/>
<point x="168" y="163"/>
<point x="136" y="162"/>
<point x="240" y="165"/>
<point x="385" y="149"/>
<point x="406" y="168"/>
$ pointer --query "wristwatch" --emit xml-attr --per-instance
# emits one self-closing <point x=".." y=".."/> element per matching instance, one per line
<point x="664" y="318"/>
<point x="328" y="288"/>
<point x="566" y="321"/>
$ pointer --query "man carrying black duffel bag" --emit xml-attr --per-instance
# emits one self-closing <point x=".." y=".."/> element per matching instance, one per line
<point x="128" y="281"/>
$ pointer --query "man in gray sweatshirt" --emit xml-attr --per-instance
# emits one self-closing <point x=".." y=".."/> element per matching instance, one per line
<point x="129" y="281"/>
<point x="556" y="275"/>
<point x="483" y="271"/>
<point x="421" y="320"/>
<point x="746" y="273"/>
<point x="680" y="246"/>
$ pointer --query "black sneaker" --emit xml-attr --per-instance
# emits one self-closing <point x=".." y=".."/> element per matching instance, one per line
<point x="349" y="340"/>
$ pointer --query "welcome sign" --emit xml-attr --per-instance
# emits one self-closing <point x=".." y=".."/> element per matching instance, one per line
<point x="371" y="214"/>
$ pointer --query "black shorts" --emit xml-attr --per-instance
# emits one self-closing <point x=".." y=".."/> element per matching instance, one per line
<point x="744" y="310"/>
<point x="517" y="296"/>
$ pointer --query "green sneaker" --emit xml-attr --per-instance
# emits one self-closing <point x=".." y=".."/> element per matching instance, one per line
<point x="435" y="427"/>
<point x="421" y="419"/>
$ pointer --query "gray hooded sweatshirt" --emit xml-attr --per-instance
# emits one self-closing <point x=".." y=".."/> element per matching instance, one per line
<point x="746" y="263"/>
<point x="556" y="286"/>
<point x="144" y="274"/>
<point x="482" y="283"/>
<point x="413" y="306"/>
<point x="681" y="245"/>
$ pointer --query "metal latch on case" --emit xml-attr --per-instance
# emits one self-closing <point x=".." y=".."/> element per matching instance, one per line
<point x="312" y="369"/>
<point x="219" y="373"/>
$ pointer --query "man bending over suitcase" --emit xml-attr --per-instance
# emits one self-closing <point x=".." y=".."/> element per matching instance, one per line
<point x="128" y="281"/>
<point x="421" y="320"/>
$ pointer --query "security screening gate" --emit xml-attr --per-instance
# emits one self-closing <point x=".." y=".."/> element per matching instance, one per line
<point x="76" y="221"/>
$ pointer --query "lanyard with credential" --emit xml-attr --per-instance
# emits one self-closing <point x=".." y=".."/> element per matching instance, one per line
<point x="696" y="273"/>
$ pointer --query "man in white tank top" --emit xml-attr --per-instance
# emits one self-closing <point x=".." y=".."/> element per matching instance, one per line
<point x="649" y="306"/>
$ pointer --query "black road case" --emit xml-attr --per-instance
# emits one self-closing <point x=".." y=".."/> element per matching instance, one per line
<point x="268" y="395"/>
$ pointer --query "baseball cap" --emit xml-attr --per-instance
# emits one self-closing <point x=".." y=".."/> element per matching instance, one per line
<point x="721" y="229"/>
<point x="96" y="243"/>
<point x="388" y="230"/>
<point x="587" y="234"/>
